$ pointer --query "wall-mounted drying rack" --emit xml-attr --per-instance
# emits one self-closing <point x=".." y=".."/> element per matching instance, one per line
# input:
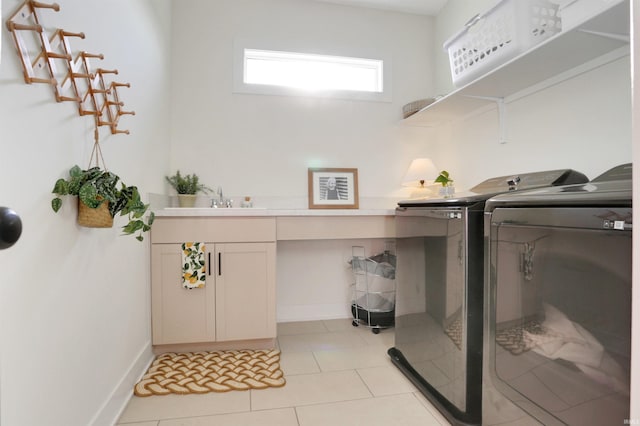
<point x="69" y="73"/>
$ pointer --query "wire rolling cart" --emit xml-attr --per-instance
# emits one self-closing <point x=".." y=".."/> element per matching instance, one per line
<point x="374" y="288"/>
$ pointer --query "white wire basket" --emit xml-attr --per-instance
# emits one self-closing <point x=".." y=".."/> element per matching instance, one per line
<point x="498" y="35"/>
<point x="373" y="289"/>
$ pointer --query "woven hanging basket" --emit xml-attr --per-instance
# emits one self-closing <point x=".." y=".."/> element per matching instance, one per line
<point x="94" y="218"/>
<point x="100" y="216"/>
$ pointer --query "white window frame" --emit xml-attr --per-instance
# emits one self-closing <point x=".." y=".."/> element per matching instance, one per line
<point x="266" y="89"/>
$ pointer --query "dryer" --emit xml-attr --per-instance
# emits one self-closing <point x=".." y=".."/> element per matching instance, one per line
<point x="557" y="333"/>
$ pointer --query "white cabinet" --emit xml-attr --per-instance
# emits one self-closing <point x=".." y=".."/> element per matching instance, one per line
<point x="245" y="291"/>
<point x="238" y="299"/>
<point x="603" y="38"/>
<point x="178" y="315"/>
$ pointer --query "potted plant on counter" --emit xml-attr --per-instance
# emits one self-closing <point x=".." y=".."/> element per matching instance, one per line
<point x="101" y="195"/>
<point x="187" y="186"/>
<point x="445" y="180"/>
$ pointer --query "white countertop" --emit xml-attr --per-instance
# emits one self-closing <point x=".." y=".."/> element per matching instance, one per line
<point x="208" y="211"/>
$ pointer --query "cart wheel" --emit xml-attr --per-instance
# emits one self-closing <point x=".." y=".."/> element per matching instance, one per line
<point x="355" y="323"/>
<point x="375" y="330"/>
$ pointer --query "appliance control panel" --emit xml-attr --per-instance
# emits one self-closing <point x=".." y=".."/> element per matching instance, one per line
<point x="622" y="172"/>
<point x="529" y="181"/>
<point x="618" y="225"/>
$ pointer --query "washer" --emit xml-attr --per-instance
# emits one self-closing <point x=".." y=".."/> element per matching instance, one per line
<point x="557" y="337"/>
<point x="439" y="300"/>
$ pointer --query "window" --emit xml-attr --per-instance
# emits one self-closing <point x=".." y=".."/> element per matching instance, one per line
<point x="268" y="71"/>
<point x="312" y="72"/>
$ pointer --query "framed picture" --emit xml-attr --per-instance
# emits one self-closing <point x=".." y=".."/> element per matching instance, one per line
<point x="333" y="188"/>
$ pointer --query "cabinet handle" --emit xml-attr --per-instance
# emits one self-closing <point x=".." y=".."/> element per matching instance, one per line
<point x="209" y="271"/>
<point x="219" y="264"/>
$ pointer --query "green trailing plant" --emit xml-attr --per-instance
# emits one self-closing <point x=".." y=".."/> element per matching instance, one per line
<point x="96" y="186"/>
<point x="444" y="179"/>
<point x="187" y="184"/>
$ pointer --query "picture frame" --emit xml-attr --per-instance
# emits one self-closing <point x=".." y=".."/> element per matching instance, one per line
<point x="333" y="188"/>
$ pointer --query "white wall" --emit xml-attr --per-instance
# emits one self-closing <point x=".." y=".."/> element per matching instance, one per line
<point x="74" y="302"/>
<point x="315" y="278"/>
<point x="262" y="145"/>
<point x="583" y="123"/>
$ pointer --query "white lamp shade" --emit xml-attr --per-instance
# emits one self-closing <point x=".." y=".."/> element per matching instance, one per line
<point x="421" y="169"/>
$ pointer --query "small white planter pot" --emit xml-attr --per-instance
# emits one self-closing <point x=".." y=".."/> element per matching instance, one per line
<point x="187" y="200"/>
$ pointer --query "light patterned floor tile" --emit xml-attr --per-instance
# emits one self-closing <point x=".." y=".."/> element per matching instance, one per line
<point x="386" y="380"/>
<point x="329" y="366"/>
<point x="177" y="406"/>
<point x="386" y="337"/>
<point x="345" y="359"/>
<point x="403" y="410"/>
<point x="281" y="417"/>
<point x="301" y="327"/>
<point x="338" y="324"/>
<point x="311" y="389"/>
<point x="320" y="341"/>
<point x="294" y="363"/>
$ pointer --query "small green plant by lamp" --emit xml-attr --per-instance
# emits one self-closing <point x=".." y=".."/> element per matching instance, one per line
<point x="444" y="179"/>
<point x="187" y="184"/>
<point x="96" y="186"/>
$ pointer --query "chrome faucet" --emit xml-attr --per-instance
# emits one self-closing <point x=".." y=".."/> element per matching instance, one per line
<point x="221" y="202"/>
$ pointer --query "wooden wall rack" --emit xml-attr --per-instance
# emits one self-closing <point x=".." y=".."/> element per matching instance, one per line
<point x="47" y="57"/>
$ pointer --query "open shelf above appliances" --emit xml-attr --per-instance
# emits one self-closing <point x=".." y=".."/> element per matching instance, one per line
<point x="602" y="38"/>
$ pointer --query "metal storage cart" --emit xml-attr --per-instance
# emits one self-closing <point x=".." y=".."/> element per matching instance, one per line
<point x="374" y="288"/>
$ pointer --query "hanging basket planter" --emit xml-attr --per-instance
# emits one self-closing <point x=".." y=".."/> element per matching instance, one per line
<point x="94" y="218"/>
<point x="101" y="195"/>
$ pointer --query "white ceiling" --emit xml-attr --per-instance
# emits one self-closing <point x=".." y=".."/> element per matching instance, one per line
<point x="421" y="7"/>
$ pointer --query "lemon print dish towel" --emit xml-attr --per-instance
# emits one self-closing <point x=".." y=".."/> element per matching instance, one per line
<point x="193" y="265"/>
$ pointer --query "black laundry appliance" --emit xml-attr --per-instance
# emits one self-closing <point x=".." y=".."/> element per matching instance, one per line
<point x="558" y="303"/>
<point x="439" y="291"/>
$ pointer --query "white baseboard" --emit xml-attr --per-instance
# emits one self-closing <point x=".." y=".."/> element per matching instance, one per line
<point x="114" y="406"/>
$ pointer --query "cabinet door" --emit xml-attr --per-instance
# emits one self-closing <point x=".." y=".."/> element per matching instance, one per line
<point x="179" y="315"/>
<point x="245" y="291"/>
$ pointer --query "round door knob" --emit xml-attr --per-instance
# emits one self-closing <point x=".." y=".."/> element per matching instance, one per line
<point x="10" y="227"/>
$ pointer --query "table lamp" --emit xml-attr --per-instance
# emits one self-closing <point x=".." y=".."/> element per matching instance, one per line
<point x="420" y="170"/>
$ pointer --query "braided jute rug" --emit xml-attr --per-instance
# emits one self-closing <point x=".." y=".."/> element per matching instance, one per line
<point x="219" y="371"/>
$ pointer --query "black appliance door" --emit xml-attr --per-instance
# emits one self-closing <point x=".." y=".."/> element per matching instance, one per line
<point x="439" y="297"/>
<point x="559" y="312"/>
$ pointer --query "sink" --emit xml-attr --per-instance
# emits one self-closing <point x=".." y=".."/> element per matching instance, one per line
<point x="222" y="209"/>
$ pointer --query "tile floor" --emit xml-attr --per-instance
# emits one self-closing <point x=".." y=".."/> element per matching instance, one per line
<point x="336" y="374"/>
